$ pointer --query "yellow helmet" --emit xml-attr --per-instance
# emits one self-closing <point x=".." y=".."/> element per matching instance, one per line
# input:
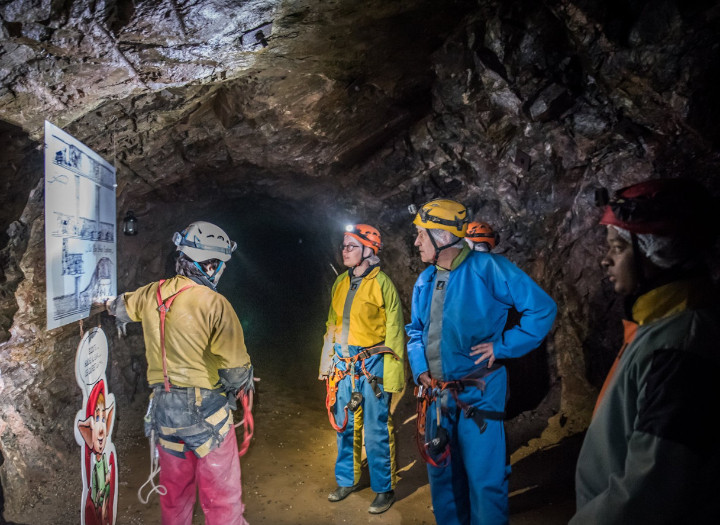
<point x="443" y="214"/>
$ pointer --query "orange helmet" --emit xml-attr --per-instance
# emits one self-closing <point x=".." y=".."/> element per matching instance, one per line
<point x="482" y="232"/>
<point x="367" y="235"/>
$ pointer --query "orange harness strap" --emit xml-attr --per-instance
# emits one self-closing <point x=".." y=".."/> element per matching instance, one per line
<point x="426" y="396"/>
<point x="331" y="383"/>
<point x="331" y="389"/>
<point x="629" y="333"/>
<point x="164" y="308"/>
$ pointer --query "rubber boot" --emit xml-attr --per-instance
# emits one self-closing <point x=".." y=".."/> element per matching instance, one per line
<point x="382" y="502"/>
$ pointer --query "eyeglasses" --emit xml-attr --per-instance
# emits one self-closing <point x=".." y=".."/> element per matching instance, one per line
<point x="349" y="247"/>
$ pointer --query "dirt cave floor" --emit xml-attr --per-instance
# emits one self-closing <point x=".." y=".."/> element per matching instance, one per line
<point x="288" y="471"/>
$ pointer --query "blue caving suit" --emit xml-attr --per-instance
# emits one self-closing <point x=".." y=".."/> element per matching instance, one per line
<point x="479" y="290"/>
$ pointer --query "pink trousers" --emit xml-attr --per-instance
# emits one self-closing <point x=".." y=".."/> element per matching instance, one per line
<point x="217" y="478"/>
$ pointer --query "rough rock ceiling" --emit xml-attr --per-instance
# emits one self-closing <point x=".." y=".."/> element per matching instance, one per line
<point x="175" y="90"/>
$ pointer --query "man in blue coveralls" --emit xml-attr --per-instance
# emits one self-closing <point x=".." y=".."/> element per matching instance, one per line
<point x="457" y="332"/>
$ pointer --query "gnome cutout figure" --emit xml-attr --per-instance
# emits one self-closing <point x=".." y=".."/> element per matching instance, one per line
<point x="93" y="432"/>
<point x="100" y="464"/>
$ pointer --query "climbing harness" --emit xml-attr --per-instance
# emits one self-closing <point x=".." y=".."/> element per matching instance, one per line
<point x="164" y="308"/>
<point x="356" y="398"/>
<point x="436" y="450"/>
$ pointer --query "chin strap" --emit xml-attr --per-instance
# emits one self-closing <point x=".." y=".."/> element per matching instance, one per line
<point x="351" y="272"/>
<point x="438" y="249"/>
<point x="362" y="257"/>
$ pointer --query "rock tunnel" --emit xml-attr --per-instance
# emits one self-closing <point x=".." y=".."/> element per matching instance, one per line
<point x="283" y="121"/>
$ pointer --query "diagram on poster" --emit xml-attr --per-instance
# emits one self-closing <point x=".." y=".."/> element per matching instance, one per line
<point x="93" y="432"/>
<point x="80" y="243"/>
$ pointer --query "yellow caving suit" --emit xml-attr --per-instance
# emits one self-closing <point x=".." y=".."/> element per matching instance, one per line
<point x="193" y="421"/>
<point x="365" y="312"/>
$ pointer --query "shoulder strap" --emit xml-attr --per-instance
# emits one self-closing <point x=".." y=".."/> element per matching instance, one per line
<point x="164" y="308"/>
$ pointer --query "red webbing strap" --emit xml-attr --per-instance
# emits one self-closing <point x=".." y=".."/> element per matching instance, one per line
<point x="246" y="400"/>
<point x="164" y="308"/>
<point x="423" y="404"/>
<point x="331" y="398"/>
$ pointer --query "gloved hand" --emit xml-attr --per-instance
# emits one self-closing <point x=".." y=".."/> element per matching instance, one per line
<point x="115" y="306"/>
<point x="234" y="381"/>
<point x="121" y="328"/>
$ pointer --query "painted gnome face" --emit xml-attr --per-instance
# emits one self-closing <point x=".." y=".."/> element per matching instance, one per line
<point x="99" y="428"/>
<point x="95" y="428"/>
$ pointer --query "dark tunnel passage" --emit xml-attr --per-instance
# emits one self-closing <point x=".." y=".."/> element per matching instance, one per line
<point x="279" y="284"/>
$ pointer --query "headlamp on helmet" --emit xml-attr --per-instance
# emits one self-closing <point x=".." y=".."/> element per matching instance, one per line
<point x="367" y="235"/>
<point x="658" y="206"/>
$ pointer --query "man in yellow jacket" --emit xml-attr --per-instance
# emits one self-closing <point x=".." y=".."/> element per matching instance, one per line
<point x="197" y="364"/>
<point x="363" y="363"/>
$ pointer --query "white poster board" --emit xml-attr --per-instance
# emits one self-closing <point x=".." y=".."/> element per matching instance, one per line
<point x="80" y="230"/>
<point x="93" y="432"/>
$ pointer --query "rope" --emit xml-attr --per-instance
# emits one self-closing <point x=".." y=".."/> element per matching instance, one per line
<point x="248" y="422"/>
<point x="154" y="471"/>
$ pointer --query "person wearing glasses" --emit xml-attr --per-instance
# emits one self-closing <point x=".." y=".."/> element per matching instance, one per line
<point x="363" y="364"/>
<point x="650" y="453"/>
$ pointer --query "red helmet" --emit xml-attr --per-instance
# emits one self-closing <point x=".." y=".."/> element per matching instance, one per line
<point x="482" y="232"/>
<point x="663" y="207"/>
<point x="367" y="235"/>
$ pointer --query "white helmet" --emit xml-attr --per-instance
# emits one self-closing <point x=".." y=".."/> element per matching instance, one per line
<point x="201" y="241"/>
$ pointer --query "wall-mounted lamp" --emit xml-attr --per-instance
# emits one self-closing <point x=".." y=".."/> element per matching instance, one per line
<point x="130" y="224"/>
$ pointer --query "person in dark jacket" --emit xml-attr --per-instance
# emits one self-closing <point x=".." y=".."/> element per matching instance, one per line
<point x="650" y="453"/>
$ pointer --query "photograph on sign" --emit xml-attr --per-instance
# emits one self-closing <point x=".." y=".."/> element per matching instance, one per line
<point x="80" y="230"/>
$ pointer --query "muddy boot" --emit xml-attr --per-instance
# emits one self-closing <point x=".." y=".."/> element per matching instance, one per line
<point x="382" y="502"/>
<point x="341" y="493"/>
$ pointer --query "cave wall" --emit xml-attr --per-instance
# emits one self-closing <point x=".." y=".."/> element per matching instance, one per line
<point x="520" y="111"/>
<point x="533" y="108"/>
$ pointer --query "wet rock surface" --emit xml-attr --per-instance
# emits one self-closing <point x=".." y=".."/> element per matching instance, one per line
<point x="351" y="112"/>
